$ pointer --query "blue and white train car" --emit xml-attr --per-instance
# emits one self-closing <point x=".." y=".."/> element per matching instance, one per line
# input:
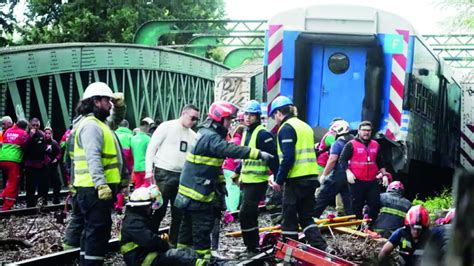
<point x="362" y="63"/>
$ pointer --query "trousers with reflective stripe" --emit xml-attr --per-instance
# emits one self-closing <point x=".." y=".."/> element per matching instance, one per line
<point x="253" y="171"/>
<point x="305" y="155"/>
<point x="82" y="177"/>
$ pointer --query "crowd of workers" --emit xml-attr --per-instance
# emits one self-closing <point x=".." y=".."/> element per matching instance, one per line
<point x="232" y="162"/>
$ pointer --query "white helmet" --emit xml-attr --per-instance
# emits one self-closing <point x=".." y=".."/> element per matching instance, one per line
<point x="97" y="89"/>
<point x="143" y="196"/>
<point x="340" y="127"/>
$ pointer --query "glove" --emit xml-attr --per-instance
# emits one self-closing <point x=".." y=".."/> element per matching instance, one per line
<point x="118" y="99"/>
<point x="321" y="178"/>
<point x="265" y="156"/>
<point x="104" y="192"/>
<point x="385" y="181"/>
<point x="350" y="177"/>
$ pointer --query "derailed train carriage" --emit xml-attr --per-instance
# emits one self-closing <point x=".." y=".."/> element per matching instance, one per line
<point x="362" y="63"/>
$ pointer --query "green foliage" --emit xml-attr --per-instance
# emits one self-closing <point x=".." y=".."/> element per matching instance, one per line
<point x="7" y="23"/>
<point x="464" y="14"/>
<point x="106" y="21"/>
<point x="437" y="204"/>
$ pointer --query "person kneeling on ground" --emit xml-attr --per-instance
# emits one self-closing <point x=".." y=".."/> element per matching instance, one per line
<point x="410" y="239"/>
<point x="138" y="243"/>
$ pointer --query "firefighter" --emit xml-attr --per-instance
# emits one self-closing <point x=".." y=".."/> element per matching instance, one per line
<point x="333" y="178"/>
<point x="410" y="239"/>
<point x="139" y="244"/>
<point x="201" y="185"/>
<point x="98" y="168"/>
<point x="393" y="209"/>
<point x="298" y="172"/>
<point x="254" y="175"/>
<point x="362" y="160"/>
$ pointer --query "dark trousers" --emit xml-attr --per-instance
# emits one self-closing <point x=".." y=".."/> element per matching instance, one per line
<point x="97" y="225"/>
<point x="365" y="192"/>
<point x="55" y="179"/>
<point x="168" y="183"/>
<point x="36" y="178"/>
<point x="298" y="207"/>
<point x="195" y="230"/>
<point x="252" y="194"/>
<point x="332" y="185"/>
<point x="73" y="234"/>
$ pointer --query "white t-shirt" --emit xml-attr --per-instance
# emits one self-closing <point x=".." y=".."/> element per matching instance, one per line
<point x="168" y="146"/>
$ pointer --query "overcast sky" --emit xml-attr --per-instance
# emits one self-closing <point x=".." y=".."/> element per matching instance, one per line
<point x="425" y="15"/>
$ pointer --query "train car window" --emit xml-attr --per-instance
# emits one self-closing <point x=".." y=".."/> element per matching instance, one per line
<point x="338" y="63"/>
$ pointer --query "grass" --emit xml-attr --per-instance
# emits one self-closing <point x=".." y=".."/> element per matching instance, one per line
<point x="437" y="205"/>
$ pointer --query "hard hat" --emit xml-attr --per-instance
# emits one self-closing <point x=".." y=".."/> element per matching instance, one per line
<point x="143" y="196"/>
<point x="417" y="216"/>
<point x="148" y="120"/>
<point x="340" y="127"/>
<point x="449" y="216"/>
<point x="396" y="186"/>
<point x="279" y="102"/>
<point x="221" y="109"/>
<point x="97" y="89"/>
<point x="253" y="107"/>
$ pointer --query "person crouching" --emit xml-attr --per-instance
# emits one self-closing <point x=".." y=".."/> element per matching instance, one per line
<point x="139" y="244"/>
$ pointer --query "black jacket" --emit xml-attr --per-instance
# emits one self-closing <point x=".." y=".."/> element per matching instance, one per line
<point x="136" y="228"/>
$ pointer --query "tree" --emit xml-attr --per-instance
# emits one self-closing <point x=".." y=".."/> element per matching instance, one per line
<point x="7" y="23"/>
<point x="107" y="21"/>
<point x="464" y="13"/>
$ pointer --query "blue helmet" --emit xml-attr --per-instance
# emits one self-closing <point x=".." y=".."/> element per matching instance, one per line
<point x="253" y="107"/>
<point x="279" y="102"/>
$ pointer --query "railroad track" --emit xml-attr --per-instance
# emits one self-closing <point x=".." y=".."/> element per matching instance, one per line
<point x="34" y="210"/>
<point x="68" y="257"/>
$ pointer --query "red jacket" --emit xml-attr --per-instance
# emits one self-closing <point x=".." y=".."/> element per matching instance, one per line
<point x="363" y="162"/>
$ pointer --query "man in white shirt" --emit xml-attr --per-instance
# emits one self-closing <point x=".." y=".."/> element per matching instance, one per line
<point x="165" y="157"/>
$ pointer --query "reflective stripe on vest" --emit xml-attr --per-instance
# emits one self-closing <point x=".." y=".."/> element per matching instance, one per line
<point x="193" y="194"/>
<point x="82" y="176"/>
<point x="363" y="161"/>
<point x="253" y="171"/>
<point x="127" y="247"/>
<point x="201" y="159"/>
<point x="305" y="155"/>
<point x="393" y="211"/>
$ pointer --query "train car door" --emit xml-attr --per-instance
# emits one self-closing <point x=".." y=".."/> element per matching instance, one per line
<point x="340" y="86"/>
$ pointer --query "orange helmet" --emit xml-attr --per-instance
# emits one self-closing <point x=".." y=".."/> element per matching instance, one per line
<point x="417" y="217"/>
<point x="221" y="109"/>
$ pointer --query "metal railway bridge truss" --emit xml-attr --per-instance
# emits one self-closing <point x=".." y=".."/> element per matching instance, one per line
<point x="244" y="40"/>
<point x="47" y="81"/>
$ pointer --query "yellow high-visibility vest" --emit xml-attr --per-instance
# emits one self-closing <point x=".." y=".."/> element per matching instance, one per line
<point x="253" y="171"/>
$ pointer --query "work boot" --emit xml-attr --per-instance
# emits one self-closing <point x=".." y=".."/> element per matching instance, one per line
<point x="216" y="254"/>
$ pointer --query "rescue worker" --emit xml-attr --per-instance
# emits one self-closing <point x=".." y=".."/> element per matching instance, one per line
<point x="298" y="172"/>
<point x="98" y="168"/>
<point x="254" y="175"/>
<point x="202" y="185"/>
<point x="15" y="140"/>
<point x="124" y="135"/>
<point x="333" y="177"/>
<point x="324" y="146"/>
<point x="7" y="122"/>
<point x="362" y="160"/>
<point x="165" y="157"/>
<point x="437" y="246"/>
<point x="139" y="243"/>
<point x="139" y="145"/>
<point x="410" y="239"/>
<point x="393" y="209"/>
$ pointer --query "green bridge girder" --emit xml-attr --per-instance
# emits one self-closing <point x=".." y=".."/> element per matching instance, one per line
<point x="47" y="81"/>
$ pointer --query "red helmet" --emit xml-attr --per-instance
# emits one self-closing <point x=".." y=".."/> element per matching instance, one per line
<point x="417" y="216"/>
<point x="449" y="216"/>
<point x="221" y="109"/>
<point x="396" y="186"/>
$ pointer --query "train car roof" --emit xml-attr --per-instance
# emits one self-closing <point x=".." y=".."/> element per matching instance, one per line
<point x="349" y="19"/>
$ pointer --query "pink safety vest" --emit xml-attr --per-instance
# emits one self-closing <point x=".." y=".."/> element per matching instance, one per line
<point x="323" y="150"/>
<point x="363" y="162"/>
